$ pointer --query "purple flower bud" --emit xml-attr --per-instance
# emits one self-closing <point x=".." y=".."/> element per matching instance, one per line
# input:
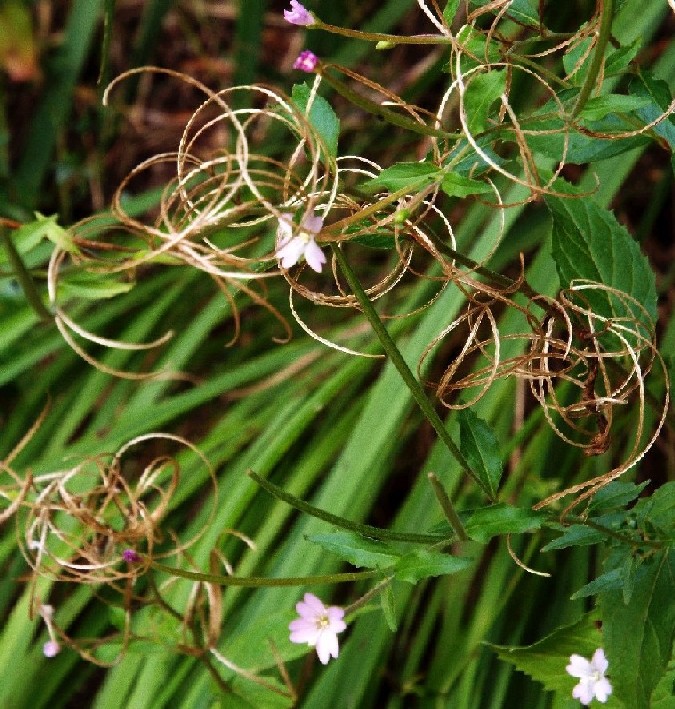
<point x="130" y="556"/>
<point x="298" y="14"/>
<point x="306" y="61"/>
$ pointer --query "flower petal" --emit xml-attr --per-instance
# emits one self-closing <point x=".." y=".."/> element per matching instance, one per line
<point x="602" y="689"/>
<point x="313" y="604"/>
<point x="312" y="223"/>
<point x="599" y="661"/>
<point x="583" y="691"/>
<point x="290" y="253"/>
<point x="579" y="666"/>
<point x="327" y="646"/>
<point x="314" y="256"/>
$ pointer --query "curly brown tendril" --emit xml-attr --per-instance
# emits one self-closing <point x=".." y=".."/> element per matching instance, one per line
<point x="80" y="524"/>
<point x="590" y="353"/>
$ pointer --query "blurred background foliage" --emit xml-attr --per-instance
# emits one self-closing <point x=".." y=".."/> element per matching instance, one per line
<point x="337" y="431"/>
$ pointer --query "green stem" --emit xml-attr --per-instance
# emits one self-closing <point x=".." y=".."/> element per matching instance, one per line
<point x="379" y="110"/>
<point x="598" y="56"/>
<point x="636" y="543"/>
<point x="260" y="581"/>
<point x="364" y="529"/>
<point x="446" y="505"/>
<point x="23" y="276"/>
<point x="384" y="37"/>
<point x="409" y="379"/>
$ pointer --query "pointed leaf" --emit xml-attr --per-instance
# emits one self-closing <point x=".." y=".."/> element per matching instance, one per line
<point x="589" y="243"/>
<point x="357" y="550"/>
<point x="480" y="447"/>
<point x="423" y="563"/>
<point x="321" y="115"/>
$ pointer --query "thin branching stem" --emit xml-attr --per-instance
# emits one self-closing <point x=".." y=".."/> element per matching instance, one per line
<point x="406" y="374"/>
<point x="363" y="529"/>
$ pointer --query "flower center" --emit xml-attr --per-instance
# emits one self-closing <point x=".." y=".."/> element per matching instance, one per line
<point x="322" y="622"/>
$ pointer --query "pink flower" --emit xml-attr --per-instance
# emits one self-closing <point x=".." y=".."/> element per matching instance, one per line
<point x="306" y="61"/>
<point x="318" y="626"/>
<point x="290" y="248"/>
<point x="130" y="556"/>
<point x="298" y="14"/>
<point x="591" y="675"/>
<point x="51" y="648"/>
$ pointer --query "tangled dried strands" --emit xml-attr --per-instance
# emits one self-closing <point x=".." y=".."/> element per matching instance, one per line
<point x="80" y="522"/>
<point x="606" y="354"/>
<point x="362" y="223"/>
<point x="219" y="212"/>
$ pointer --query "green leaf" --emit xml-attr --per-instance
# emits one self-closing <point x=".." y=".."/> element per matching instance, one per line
<point x="576" y="58"/>
<point x="524" y="12"/>
<point x="456" y="185"/>
<point x="578" y="535"/>
<point x="639" y="635"/>
<point x="481" y="93"/>
<point x="501" y="518"/>
<point x="605" y="582"/>
<point x="411" y="175"/>
<point x="601" y="106"/>
<point x="46" y="228"/>
<point x="545" y="660"/>
<point x="480" y="447"/>
<point x="357" y="550"/>
<point x="388" y="603"/>
<point x="659" y="98"/>
<point x="92" y="287"/>
<point x="615" y="495"/>
<point x="450" y="11"/>
<point x="659" y="510"/>
<point x="321" y="116"/>
<point x="423" y="563"/>
<point x="589" y="243"/>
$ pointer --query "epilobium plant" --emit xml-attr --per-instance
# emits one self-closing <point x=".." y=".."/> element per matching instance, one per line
<point x="555" y="355"/>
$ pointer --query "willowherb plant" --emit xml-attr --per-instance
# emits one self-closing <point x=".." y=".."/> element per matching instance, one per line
<point x="346" y="232"/>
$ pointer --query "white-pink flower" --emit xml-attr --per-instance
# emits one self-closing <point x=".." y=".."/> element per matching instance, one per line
<point x="306" y="61"/>
<point x="51" y="648"/>
<point x="291" y="248"/>
<point x="298" y="14"/>
<point x="592" y="681"/>
<point x="318" y="626"/>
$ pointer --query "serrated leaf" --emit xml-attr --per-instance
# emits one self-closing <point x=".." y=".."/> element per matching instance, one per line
<point x="410" y="175"/>
<point x="545" y="660"/>
<point x="605" y="582"/>
<point x="480" y="447"/>
<point x="658" y="93"/>
<point x="321" y="116"/>
<point x="456" y="185"/>
<point x="357" y="550"/>
<point x="616" y="494"/>
<point x="639" y="635"/>
<point x="580" y="148"/>
<point x="575" y="58"/>
<point x="488" y="522"/>
<point x="589" y="243"/>
<point x="578" y="535"/>
<point x="423" y="563"/>
<point x="481" y="93"/>
<point x="600" y="106"/>
<point x="659" y="510"/>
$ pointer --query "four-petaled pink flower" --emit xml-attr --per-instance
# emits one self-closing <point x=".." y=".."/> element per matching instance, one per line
<point x="298" y="14"/>
<point x="318" y="626"/>
<point x="306" y="61"/>
<point x="290" y="249"/>
<point x="591" y="675"/>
